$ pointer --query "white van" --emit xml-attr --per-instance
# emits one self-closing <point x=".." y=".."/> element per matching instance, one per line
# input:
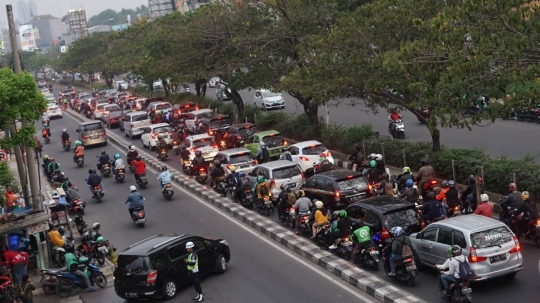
<point x="161" y="106"/>
<point x="133" y="123"/>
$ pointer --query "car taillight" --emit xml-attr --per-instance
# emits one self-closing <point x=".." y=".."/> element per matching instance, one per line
<point x="215" y="146"/>
<point x="102" y="135"/>
<point x="385" y="234"/>
<point x="516" y="248"/>
<point x="272" y="182"/>
<point x="328" y="154"/>
<point x="408" y="260"/>
<point x="285" y="143"/>
<point x="153" y="136"/>
<point x="85" y="137"/>
<point x="255" y="162"/>
<point x="151" y="278"/>
<point x="238" y="137"/>
<point x="337" y="196"/>
<point x="210" y="133"/>
<point x="473" y="257"/>
<point x="131" y="125"/>
<point x="538" y="222"/>
<point x="304" y="158"/>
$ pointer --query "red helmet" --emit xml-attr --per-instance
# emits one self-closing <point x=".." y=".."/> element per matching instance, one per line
<point x="322" y="155"/>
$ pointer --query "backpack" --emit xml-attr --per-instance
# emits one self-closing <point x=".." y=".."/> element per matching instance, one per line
<point x="265" y="155"/>
<point x="464" y="270"/>
<point x="291" y="197"/>
<point x="389" y="190"/>
<point x="22" y="295"/>
<point x="94" y="180"/>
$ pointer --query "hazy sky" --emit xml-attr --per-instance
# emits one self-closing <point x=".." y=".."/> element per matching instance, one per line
<point x="59" y="8"/>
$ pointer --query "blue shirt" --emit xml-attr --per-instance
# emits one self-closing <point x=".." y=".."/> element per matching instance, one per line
<point x="93" y="177"/>
<point x="104" y="159"/>
<point x="165" y="177"/>
<point x="135" y="199"/>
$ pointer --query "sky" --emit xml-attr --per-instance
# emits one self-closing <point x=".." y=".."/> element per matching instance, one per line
<point x="59" y="8"/>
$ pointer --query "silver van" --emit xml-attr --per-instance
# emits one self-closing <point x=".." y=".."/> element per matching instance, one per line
<point x="92" y="133"/>
<point x="134" y="122"/>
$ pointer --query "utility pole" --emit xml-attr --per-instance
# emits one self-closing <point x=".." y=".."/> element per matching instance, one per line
<point x="35" y="195"/>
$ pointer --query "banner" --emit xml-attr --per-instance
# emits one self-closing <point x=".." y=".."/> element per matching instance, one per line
<point x="26" y="32"/>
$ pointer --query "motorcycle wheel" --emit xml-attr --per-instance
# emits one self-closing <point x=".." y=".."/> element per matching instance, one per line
<point x="457" y="296"/>
<point x="100" y="258"/>
<point x="410" y="279"/>
<point x="346" y="253"/>
<point x="169" y="198"/>
<point x="374" y="265"/>
<point x="100" y="280"/>
<point x="49" y="290"/>
<point x="401" y="135"/>
<point x="81" y="211"/>
<point x="291" y="222"/>
<point x="266" y="212"/>
<point x="98" y="198"/>
<point x="63" y="289"/>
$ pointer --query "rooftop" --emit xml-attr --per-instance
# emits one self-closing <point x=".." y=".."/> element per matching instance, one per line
<point x="43" y="18"/>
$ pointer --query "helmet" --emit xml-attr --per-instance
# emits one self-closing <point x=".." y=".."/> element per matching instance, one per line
<point x="471" y="179"/>
<point x="357" y="147"/>
<point x="406" y="169"/>
<point x="372" y="163"/>
<point x="260" y="179"/>
<point x="485" y="198"/>
<point x="322" y="155"/>
<point x="301" y="193"/>
<point x="424" y="162"/>
<point x="385" y="176"/>
<point x="198" y="153"/>
<point x="45" y="157"/>
<point x="102" y="152"/>
<point x="159" y="137"/>
<point x="410" y="183"/>
<point x="45" y="125"/>
<point x="318" y="204"/>
<point x="512" y="186"/>
<point x="64" y="130"/>
<point x="372" y="156"/>
<point x="451" y="183"/>
<point x="217" y="162"/>
<point x="52" y="159"/>
<point x="378" y="157"/>
<point x="132" y="148"/>
<point x="232" y="168"/>
<point x="397" y="231"/>
<point x="444" y="183"/>
<point x="456" y="250"/>
<point x="132" y="188"/>
<point x="78" y="143"/>
<point x="117" y="156"/>
<point x="524" y="195"/>
<point x="431" y="195"/>
<point x="96" y="226"/>
<point x="90" y="171"/>
<point x="190" y="245"/>
<point x="263" y="145"/>
<point x="200" y="124"/>
<point x="138" y="158"/>
<point x="342" y="214"/>
<point x="242" y="174"/>
<point x="163" y="168"/>
<point x="449" y="251"/>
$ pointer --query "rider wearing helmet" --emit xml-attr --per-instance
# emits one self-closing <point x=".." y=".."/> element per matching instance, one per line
<point x="78" y="152"/>
<point x="286" y="155"/>
<point x="373" y="173"/>
<point x="396" y="247"/>
<point x="454" y="266"/>
<point x="103" y="159"/>
<point x="432" y="209"/>
<point x="118" y="163"/>
<point x="161" y="145"/>
<point x="341" y="228"/>
<point x="135" y="199"/>
<point x="485" y="208"/>
<point x="402" y="179"/>
<point x="356" y="157"/>
<point x="260" y="190"/>
<point x="46" y="132"/>
<point x="231" y="180"/>
<point x="243" y="185"/>
<point x="320" y="216"/>
<point x="46" y="162"/>
<point x="131" y="154"/>
<point x="217" y="173"/>
<point x="361" y="238"/>
<point x="94" y="180"/>
<point x="441" y="196"/>
<point x="468" y="196"/>
<point x="302" y="207"/>
<point x="165" y="176"/>
<point x="197" y="162"/>
<point x="182" y="133"/>
<point x="385" y="187"/>
<point x="199" y="130"/>
<point x="185" y="153"/>
<point x="64" y="136"/>
<point x="425" y="174"/>
<point x="140" y="167"/>
<point x="263" y="155"/>
<point x="452" y="195"/>
<point x="410" y="194"/>
<point x="53" y="165"/>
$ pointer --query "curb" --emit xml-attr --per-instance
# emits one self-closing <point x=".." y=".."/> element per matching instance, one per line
<point x="364" y="280"/>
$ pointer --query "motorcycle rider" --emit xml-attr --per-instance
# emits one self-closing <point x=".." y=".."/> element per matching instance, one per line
<point x="118" y="164"/>
<point x="485" y="208"/>
<point x="140" y="167"/>
<point x="361" y="238"/>
<point x="468" y="196"/>
<point x="260" y="190"/>
<point x="286" y="155"/>
<point x="45" y="164"/>
<point x="164" y="177"/>
<point x="356" y="158"/>
<point x="410" y="194"/>
<point x="425" y="174"/>
<point x="217" y="173"/>
<point x="393" y="116"/>
<point x="324" y="165"/>
<point x="46" y="131"/>
<point x="135" y="199"/>
<point x="52" y="167"/>
<point x="66" y="184"/>
<point x="302" y="207"/>
<point x="185" y="153"/>
<point x="373" y="174"/>
<point x="72" y="264"/>
<point x="284" y="201"/>
<point x="103" y="159"/>
<point x="161" y="145"/>
<point x="94" y="180"/>
<point x="231" y="180"/>
<point x="341" y="228"/>
<point x="182" y="133"/>
<point x="197" y="162"/>
<point x="131" y="154"/>
<point x="402" y="179"/>
<point x="385" y="186"/>
<point x="57" y="178"/>
<point x="396" y="247"/>
<point x="452" y="195"/>
<point x="243" y="184"/>
<point x="72" y="193"/>
<point x="263" y="155"/>
<point x="78" y="152"/>
<point x="199" y="130"/>
<point x="432" y="209"/>
<point x="513" y="200"/>
<point x="64" y="136"/>
<point x="453" y="265"/>
<point x="320" y="216"/>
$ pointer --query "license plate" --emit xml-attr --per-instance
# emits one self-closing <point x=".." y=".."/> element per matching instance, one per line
<point x="141" y="220"/>
<point x="94" y="136"/>
<point x="203" y="175"/>
<point x="206" y="154"/>
<point x="411" y="268"/>
<point x="132" y="295"/>
<point x="466" y="290"/>
<point x="102" y="248"/>
<point x="498" y="258"/>
<point x="291" y="185"/>
<point x="347" y="243"/>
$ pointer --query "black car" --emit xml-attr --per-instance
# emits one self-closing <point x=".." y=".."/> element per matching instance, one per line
<point x="113" y="118"/>
<point x="238" y="133"/>
<point x="155" y="267"/>
<point x="384" y="212"/>
<point x="337" y="188"/>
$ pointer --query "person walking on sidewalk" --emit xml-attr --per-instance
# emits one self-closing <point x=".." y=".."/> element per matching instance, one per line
<point x="192" y="263"/>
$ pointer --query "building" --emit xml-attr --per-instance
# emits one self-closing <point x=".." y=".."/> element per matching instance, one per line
<point x="7" y="42"/>
<point x="77" y="24"/>
<point x="98" y="29"/>
<point x="49" y="28"/>
<point x="27" y="10"/>
<point x="159" y="8"/>
<point x="185" y="6"/>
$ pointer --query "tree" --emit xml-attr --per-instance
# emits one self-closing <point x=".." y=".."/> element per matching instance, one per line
<point x="118" y="17"/>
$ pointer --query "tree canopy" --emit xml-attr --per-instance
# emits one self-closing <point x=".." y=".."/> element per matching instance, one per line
<point x="117" y="17"/>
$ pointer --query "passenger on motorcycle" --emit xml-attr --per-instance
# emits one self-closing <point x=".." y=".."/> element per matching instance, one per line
<point x="131" y="154"/>
<point x="140" y="167"/>
<point x="103" y="159"/>
<point x="231" y="180"/>
<point x="286" y="155"/>
<point x="162" y="145"/>
<point x="243" y="184"/>
<point x="197" y="162"/>
<point x="320" y="216"/>
<point x="185" y="153"/>
<point x="64" y="136"/>
<point x="72" y="264"/>
<point x="78" y="152"/>
<point x="402" y="179"/>
<point x="164" y="177"/>
<point x="396" y="247"/>
<point x="117" y="164"/>
<point x="452" y="195"/>
<point x="94" y="180"/>
<point x="373" y="174"/>
<point x="284" y="199"/>
<point x="263" y="155"/>
<point x="453" y="265"/>
<point x="361" y="237"/>
<point x="72" y="193"/>
<point x="135" y="199"/>
<point x="57" y="178"/>
<point x="217" y="173"/>
<point x="356" y="157"/>
<point x="260" y="190"/>
<point x="46" y="131"/>
<point x="432" y="209"/>
<point x="385" y="186"/>
<point x="341" y="228"/>
<point x="410" y="194"/>
<point x="484" y="209"/>
<point x="302" y="207"/>
<point x="66" y="184"/>
<point x="425" y="174"/>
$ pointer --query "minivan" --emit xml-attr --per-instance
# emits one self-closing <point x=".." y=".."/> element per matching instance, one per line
<point x="134" y="122"/>
<point x="92" y="133"/>
<point x="277" y="173"/>
<point x="163" y="107"/>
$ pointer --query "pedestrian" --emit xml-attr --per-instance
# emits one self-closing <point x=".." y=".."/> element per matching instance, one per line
<point x="26" y="288"/>
<point x="192" y="263"/>
<point x="14" y="261"/>
<point x="24" y="255"/>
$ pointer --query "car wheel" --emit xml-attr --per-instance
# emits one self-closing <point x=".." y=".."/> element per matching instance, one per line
<point x="221" y="264"/>
<point x="170" y="290"/>
<point x="283" y="107"/>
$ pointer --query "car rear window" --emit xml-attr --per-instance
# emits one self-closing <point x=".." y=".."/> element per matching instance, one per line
<point x="286" y="172"/>
<point x="314" y="150"/>
<point x="491" y="237"/>
<point x="406" y="217"/>
<point x="351" y="184"/>
<point x="91" y="127"/>
<point x="202" y="115"/>
<point x="132" y="263"/>
<point x="273" y="141"/>
<point x="202" y="142"/>
<point x="162" y="129"/>
<point x="219" y="123"/>
<point x="53" y="108"/>
<point x="112" y="108"/>
<point x="240" y="158"/>
<point x="163" y="106"/>
<point x="247" y="131"/>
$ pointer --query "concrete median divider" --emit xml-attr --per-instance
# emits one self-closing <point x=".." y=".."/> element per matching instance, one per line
<point x="364" y="280"/>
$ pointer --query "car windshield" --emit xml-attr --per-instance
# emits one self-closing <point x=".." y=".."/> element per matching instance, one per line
<point x="162" y="129"/>
<point x="202" y="142"/>
<point x="406" y="217"/>
<point x="205" y="114"/>
<point x="286" y="172"/>
<point x="163" y="106"/>
<point x="491" y="237"/>
<point x="351" y="184"/>
<point x="132" y="263"/>
<point x="314" y="150"/>
<point x="140" y="117"/>
<point x="91" y="127"/>
<point x="270" y="94"/>
<point x="273" y="140"/>
<point x="247" y="131"/>
<point x="241" y="158"/>
<point x="219" y="123"/>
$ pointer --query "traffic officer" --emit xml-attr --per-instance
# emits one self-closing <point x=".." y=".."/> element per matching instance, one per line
<point x="192" y="263"/>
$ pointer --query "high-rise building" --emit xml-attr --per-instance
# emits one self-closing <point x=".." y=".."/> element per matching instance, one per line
<point x="27" y="10"/>
<point x="77" y="23"/>
<point x="48" y="29"/>
<point x="33" y="8"/>
<point x="159" y="8"/>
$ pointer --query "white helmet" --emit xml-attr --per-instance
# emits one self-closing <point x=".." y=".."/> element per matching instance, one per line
<point x="373" y="156"/>
<point x="190" y="245"/>
<point x="132" y="188"/>
<point x="378" y="157"/>
<point x="132" y="148"/>
<point x="263" y="145"/>
<point x="484" y="198"/>
<point x="319" y="204"/>
<point x="96" y="226"/>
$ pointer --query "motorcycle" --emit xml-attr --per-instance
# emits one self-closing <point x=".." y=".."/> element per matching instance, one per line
<point x="81" y="225"/>
<point x="398" y="130"/>
<point x="49" y="280"/>
<point x="138" y="216"/>
<point x="186" y="166"/>
<point x="58" y="256"/>
<point x="88" y="114"/>
<point x="344" y="248"/>
<point x="246" y="198"/>
<point x="320" y="234"/>
<point x="369" y="257"/>
<point x="131" y="166"/>
<point x="459" y="291"/>
<point x="142" y="181"/>
<point x="163" y="155"/>
<point x="453" y="211"/>
<point x="167" y="191"/>
<point x="264" y="204"/>
<point x="97" y="250"/>
<point x="427" y="187"/>
<point x="424" y="113"/>
<point x="106" y="170"/>
<point x="304" y="226"/>
<point x="405" y="270"/>
<point x="8" y="291"/>
<point x="67" y="145"/>
<point x="77" y="206"/>
<point x="98" y="193"/>
<point x="176" y="147"/>
<point x="201" y="175"/>
<point x="47" y="139"/>
<point x="289" y="216"/>
<point x="120" y="175"/>
<point x="71" y="283"/>
<point x="80" y="161"/>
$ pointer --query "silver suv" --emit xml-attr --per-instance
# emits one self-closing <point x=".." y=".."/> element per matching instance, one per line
<point x="240" y="157"/>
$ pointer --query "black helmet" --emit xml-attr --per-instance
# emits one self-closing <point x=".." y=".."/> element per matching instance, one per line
<point x="431" y="195"/>
<point x="138" y="158"/>
<point x="183" y="147"/>
<point x="198" y="153"/>
<point x="217" y="162"/>
<point x="93" y="171"/>
<point x="424" y="162"/>
<point x="102" y="152"/>
<point x="70" y="248"/>
<point x="164" y="168"/>
<point x="90" y="171"/>
<point x="472" y="179"/>
<point x="456" y="250"/>
<point x="357" y="147"/>
<point x="385" y="176"/>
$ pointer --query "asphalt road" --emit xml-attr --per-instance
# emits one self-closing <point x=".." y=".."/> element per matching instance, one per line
<point x="524" y="287"/>
<point x="260" y="270"/>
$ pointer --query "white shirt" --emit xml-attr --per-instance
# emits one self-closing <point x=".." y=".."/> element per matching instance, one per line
<point x="119" y="163"/>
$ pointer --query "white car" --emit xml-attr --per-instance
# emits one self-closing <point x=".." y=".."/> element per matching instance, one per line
<point x="213" y="81"/>
<point x="306" y="152"/>
<point x="112" y="92"/>
<point x="158" y="84"/>
<point x="194" y="116"/>
<point x="266" y="99"/>
<point x="204" y="143"/>
<point x="54" y="111"/>
<point x="150" y="135"/>
<point x="277" y="173"/>
<point x="98" y="112"/>
<point x="44" y="90"/>
<point x="122" y="85"/>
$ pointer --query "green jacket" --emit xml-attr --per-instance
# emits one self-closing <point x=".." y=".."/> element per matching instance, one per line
<point x="361" y="235"/>
<point x="397" y="244"/>
<point x="71" y="262"/>
<point x="52" y="166"/>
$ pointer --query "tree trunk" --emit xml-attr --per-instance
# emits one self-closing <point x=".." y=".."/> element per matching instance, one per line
<point x="436" y="139"/>
<point x="236" y="99"/>
<point x="311" y="109"/>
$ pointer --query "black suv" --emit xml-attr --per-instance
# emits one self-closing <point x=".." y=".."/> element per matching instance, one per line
<point x="238" y="134"/>
<point x="155" y="267"/>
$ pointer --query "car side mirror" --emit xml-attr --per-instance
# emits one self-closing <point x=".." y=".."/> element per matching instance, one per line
<point x="78" y="130"/>
<point x="418" y="236"/>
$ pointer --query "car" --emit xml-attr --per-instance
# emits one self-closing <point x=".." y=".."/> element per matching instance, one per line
<point x="66" y="92"/>
<point x="277" y="173"/>
<point x="217" y="126"/>
<point x="134" y="122"/>
<point x="337" y="188"/>
<point x="239" y="157"/>
<point x="491" y="247"/>
<point x="107" y="109"/>
<point x="158" y="84"/>
<point x="139" y="104"/>
<point x="44" y="90"/>
<point x="111" y="93"/>
<point x="266" y="99"/>
<point x="184" y="108"/>
<point x="150" y="134"/>
<point x="220" y="92"/>
<point x="213" y="82"/>
<point x="50" y="100"/>
<point x="160" y="106"/>
<point x="54" y="111"/>
<point x="307" y="152"/>
<point x="205" y="143"/>
<point x="42" y="84"/>
<point x="100" y="101"/>
<point x="192" y="119"/>
<point x="84" y="95"/>
<point x="121" y="85"/>
<point x="113" y="119"/>
<point x="272" y="138"/>
<point x="155" y="268"/>
<point x="98" y="112"/>
<point x="92" y="133"/>
<point x="238" y="133"/>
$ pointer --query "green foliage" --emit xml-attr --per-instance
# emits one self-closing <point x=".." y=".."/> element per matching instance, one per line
<point x="118" y="17"/>
<point x="99" y="86"/>
<point x="6" y="178"/>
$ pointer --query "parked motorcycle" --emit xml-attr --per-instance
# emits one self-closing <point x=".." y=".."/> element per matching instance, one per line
<point x="459" y="292"/>
<point x="80" y="161"/>
<point x="264" y="204"/>
<point x="369" y="257"/>
<point x="77" y="206"/>
<point x="81" y="225"/>
<point x="167" y="191"/>
<point x="93" y="249"/>
<point x="163" y="155"/>
<point x="120" y="175"/>
<point x="397" y="131"/>
<point x="49" y="280"/>
<point x="67" y="145"/>
<point x="8" y="291"/>
<point x="138" y="216"/>
<point x="70" y="283"/>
